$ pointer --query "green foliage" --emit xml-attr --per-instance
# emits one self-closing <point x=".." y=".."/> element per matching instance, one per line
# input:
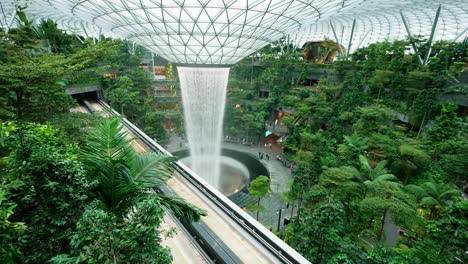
<point x="102" y="237"/>
<point x="258" y="189"/>
<point x="153" y="126"/>
<point x="48" y="184"/>
<point x="32" y="85"/>
<point x="5" y="130"/>
<point x="55" y="40"/>
<point x="351" y="148"/>
<point x="454" y="163"/>
<point x="352" y="123"/>
<point x="340" y="181"/>
<point x="434" y="197"/>
<point x="447" y="124"/>
<point x="418" y="80"/>
<point x="124" y="177"/>
<point x="451" y="234"/>
<point x="75" y="126"/>
<point x="380" y="81"/>
<point x="319" y="235"/>
<point x="33" y="80"/>
<point x="381" y="254"/>
<point x="372" y="119"/>
<point x="245" y="122"/>
<point x="384" y="197"/>
<point x="121" y="94"/>
<point x="376" y="174"/>
<point x="342" y="125"/>
<point x="9" y="231"/>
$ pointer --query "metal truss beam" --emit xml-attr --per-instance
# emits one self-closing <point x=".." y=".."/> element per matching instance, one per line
<point x="410" y="35"/>
<point x="351" y="37"/>
<point x="340" y="51"/>
<point x="433" y="31"/>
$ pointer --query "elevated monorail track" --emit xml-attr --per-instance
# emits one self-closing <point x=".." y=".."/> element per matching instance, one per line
<point x="238" y="238"/>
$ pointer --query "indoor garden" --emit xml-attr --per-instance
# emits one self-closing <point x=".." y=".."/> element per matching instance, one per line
<point x="368" y="147"/>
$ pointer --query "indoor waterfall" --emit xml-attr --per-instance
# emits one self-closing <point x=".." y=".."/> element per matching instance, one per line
<point x="204" y="96"/>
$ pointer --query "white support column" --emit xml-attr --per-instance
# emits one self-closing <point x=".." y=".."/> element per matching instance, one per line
<point x="152" y="66"/>
<point x="461" y="34"/>
<point x="410" y="35"/>
<point x="433" y="31"/>
<point x="10" y="23"/>
<point x="340" y="51"/>
<point x="84" y="30"/>
<point x="363" y="38"/>
<point x="351" y="36"/>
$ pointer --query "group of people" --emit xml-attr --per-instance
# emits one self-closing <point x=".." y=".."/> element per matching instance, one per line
<point x="261" y="155"/>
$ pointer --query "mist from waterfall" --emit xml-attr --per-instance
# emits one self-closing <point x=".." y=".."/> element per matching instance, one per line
<point x="204" y="97"/>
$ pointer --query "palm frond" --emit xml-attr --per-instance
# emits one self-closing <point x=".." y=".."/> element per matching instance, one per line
<point x="152" y="169"/>
<point x="351" y="170"/>
<point x="416" y="190"/>
<point x="432" y="188"/>
<point x="364" y="163"/>
<point x="107" y="157"/>
<point x="429" y="201"/>
<point x="180" y="207"/>
<point x="356" y="142"/>
<point x="450" y="195"/>
<point x="118" y="189"/>
<point x="380" y="168"/>
<point x="107" y="145"/>
<point x="386" y="177"/>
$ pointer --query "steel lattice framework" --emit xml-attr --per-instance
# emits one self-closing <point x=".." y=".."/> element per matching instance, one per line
<point x="225" y="31"/>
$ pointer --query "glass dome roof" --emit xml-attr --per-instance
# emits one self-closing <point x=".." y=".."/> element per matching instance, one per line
<point x="225" y="31"/>
<point x="377" y="20"/>
<point x="186" y="31"/>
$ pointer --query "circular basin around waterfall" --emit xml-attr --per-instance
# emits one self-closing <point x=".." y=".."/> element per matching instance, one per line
<point x="237" y="170"/>
<point x="234" y="175"/>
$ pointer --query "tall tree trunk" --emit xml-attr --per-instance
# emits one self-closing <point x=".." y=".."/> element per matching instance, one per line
<point x="292" y="210"/>
<point x="378" y="94"/>
<point x="299" y="207"/>
<point x="379" y="235"/>
<point x="19" y="102"/>
<point x="422" y="124"/>
<point x="258" y="208"/>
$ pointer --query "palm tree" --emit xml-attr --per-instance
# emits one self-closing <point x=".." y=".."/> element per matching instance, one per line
<point x="433" y="196"/>
<point x="387" y="198"/>
<point x="382" y="193"/>
<point x="124" y="177"/>
<point x="352" y="147"/>
<point x="412" y="157"/>
<point x="379" y="173"/>
<point x="342" y="182"/>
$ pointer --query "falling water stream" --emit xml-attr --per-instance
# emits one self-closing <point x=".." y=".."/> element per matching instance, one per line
<point x="204" y="97"/>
